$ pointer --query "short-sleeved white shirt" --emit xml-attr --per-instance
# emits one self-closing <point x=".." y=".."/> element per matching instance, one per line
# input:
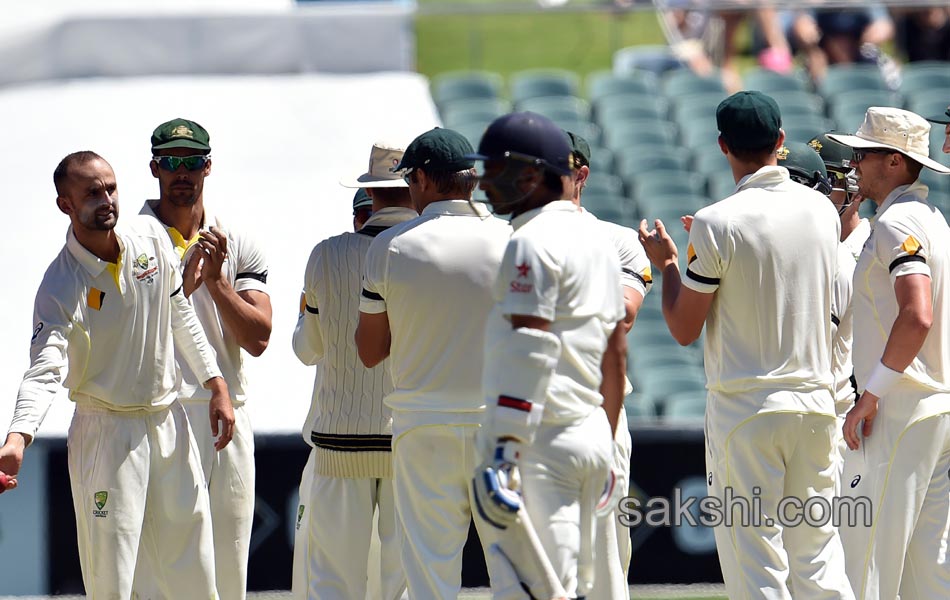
<point x="557" y="267"/>
<point x="855" y="240"/>
<point x="433" y="276"/>
<point x="635" y="272"/>
<point x="245" y="268"/>
<point x="769" y="252"/>
<point x="908" y="235"/>
<point x="842" y="316"/>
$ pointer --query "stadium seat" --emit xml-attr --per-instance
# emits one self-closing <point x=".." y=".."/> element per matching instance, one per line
<point x="601" y="203"/>
<point x="799" y="103"/>
<point x="710" y="160"/>
<point x="639" y="408"/>
<point x="660" y="382"/>
<point x="929" y="102"/>
<point x="601" y="160"/>
<point x="656" y="59"/>
<point x="659" y="183"/>
<point x="607" y="116"/>
<point x="458" y="85"/>
<point x="557" y="107"/>
<point x="656" y="104"/>
<point x="701" y="135"/>
<point x="683" y="81"/>
<point x="845" y="78"/>
<point x="692" y="108"/>
<point x="630" y="164"/>
<point x="534" y="83"/>
<point x="805" y="129"/>
<point x="721" y="185"/>
<point x="639" y="131"/>
<point x="472" y="132"/>
<point x="459" y="114"/>
<point x="603" y="182"/>
<point x="772" y="83"/>
<point x="606" y="83"/>
<point x="587" y="130"/>
<point x="917" y="77"/>
<point x="670" y="207"/>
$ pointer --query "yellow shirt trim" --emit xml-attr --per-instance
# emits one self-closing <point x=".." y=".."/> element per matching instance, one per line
<point x="181" y="244"/>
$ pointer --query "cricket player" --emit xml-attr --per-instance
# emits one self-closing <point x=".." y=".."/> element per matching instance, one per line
<point x="349" y="473"/>
<point x="225" y="278"/>
<point x="558" y="300"/>
<point x="760" y="270"/>
<point x="613" y="539"/>
<point x="902" y="367"/>
<point x="425" y="298"/>
<point x="844" y="192"/>
<point x="111" y="309"/>
<point x="805" y="166"/>
<point x="944" y="120"/>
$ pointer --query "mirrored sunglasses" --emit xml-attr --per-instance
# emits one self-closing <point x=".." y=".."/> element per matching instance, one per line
<point x="191" y="163"/>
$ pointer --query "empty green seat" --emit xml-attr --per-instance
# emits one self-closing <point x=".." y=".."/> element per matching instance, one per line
<point x="657" y="105"/>
<point x="686" y="406"/>
<point x="690" y="109"/>
<point x="650" y="158"/>
<point x="534" y="83"/>
<point x="845" y="78"/>
<point x="659" y="183"/>
<point x="639" y="132"/>
<point x="683" y="81"/>
<point x="916" y="77"/>
<point x="602" y="182"/>
<point x="459" y="85"/>
<point x="773" y="83"/>
<point x="557" y="107"/>
<point x="607" y="83"/>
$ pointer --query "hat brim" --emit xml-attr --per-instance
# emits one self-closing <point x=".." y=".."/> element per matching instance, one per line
<point x="182" y="144"/>
<point x="943" y="119"/>
<point x="853" y="141"/>
<point x="368" y="181"/>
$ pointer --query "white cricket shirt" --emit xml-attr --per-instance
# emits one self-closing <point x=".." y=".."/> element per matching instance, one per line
<point x="908" y="235"/>
<point x="115" y="327"/>
<point x="769" y="253"/>
<point x="245" y="268"/>
<point x="433" y="276"/>
<point x="635" y="272"/>
<point x="842" y="317"/>
<point x="560" y="267"/>
<point x="350" y="426"/>
<point x="855" y="240"/>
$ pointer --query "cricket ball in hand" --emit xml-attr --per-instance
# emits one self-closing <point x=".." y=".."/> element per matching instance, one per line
<point x="4" y="481"/>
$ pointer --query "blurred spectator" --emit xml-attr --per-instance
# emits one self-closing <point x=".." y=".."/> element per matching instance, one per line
<point x="924" y="33"/>
<point x="839" y="36"/>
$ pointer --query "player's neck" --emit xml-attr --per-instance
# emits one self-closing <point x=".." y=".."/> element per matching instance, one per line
<point x="104" y="245"/>
<point x="186" y="219"/>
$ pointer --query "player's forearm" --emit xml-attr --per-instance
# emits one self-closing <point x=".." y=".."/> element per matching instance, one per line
<point x="673" y="311"/>
<point x="632" y="301"/>
<point x="907" y="336"/>
<point x="249" y="324"/>
<point x="613" y="369"/>
<point x="191" y="341"/>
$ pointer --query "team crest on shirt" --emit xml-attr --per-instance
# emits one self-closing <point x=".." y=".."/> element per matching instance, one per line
<point x="144" y="268"/>
<point x="99" y="499"/>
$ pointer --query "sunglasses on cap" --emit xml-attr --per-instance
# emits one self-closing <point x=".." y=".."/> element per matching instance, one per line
<point x="859" y="155"/>
<point x="192" y="163"/>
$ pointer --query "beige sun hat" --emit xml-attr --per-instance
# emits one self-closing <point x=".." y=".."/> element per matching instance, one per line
<point x="383" y="159"/>
<point x="895" y="129"/>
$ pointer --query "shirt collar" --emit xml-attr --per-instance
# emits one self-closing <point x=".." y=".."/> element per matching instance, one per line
<point x="89" y="261"/>
<point x="556" y="206"/>
<point x="464" y="208"/>
<point x="391" y="215"/>
<point x="149" y="209"/>
<point x="917" y="189"/>
<point x="766" y="177"/>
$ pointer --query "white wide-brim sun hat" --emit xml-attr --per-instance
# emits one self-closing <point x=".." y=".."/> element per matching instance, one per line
<point x="895" y="129"/>
<point x="383" y="159"/>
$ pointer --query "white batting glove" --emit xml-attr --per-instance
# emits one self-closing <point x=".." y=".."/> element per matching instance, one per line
<point x="497" y="485"/>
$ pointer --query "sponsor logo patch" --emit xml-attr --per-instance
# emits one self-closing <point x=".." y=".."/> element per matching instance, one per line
<point x="99" y="499"/>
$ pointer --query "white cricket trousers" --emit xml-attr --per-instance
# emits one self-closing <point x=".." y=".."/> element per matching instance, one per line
<point x="137" y="483"/>
<point x="765" y="458"/>
<point x="433" y="466"/>
<point x="563" y="474"/>
<point x="902" y="469"/>
<point x="612" y="543"/>
<point x="335" y="530"/>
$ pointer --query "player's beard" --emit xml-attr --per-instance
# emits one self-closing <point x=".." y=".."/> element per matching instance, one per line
<point x="183" y="194"/>
<point x="101" y="217"/>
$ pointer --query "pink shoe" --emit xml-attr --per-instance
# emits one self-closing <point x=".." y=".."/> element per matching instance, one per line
<point x="776" y="60"/>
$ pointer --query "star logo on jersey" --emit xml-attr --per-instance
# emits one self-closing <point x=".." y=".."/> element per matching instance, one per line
<point x="523" y="269"/>
<point x="100" y="498"/>
<point x="815" y="145"/>
<point x="782" y="153"/>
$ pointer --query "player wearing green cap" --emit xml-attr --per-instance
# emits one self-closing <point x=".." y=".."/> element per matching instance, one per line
<point x="760" y="272"/>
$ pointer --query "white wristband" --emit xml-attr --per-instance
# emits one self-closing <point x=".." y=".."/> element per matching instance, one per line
<point x="882" y="379"/>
